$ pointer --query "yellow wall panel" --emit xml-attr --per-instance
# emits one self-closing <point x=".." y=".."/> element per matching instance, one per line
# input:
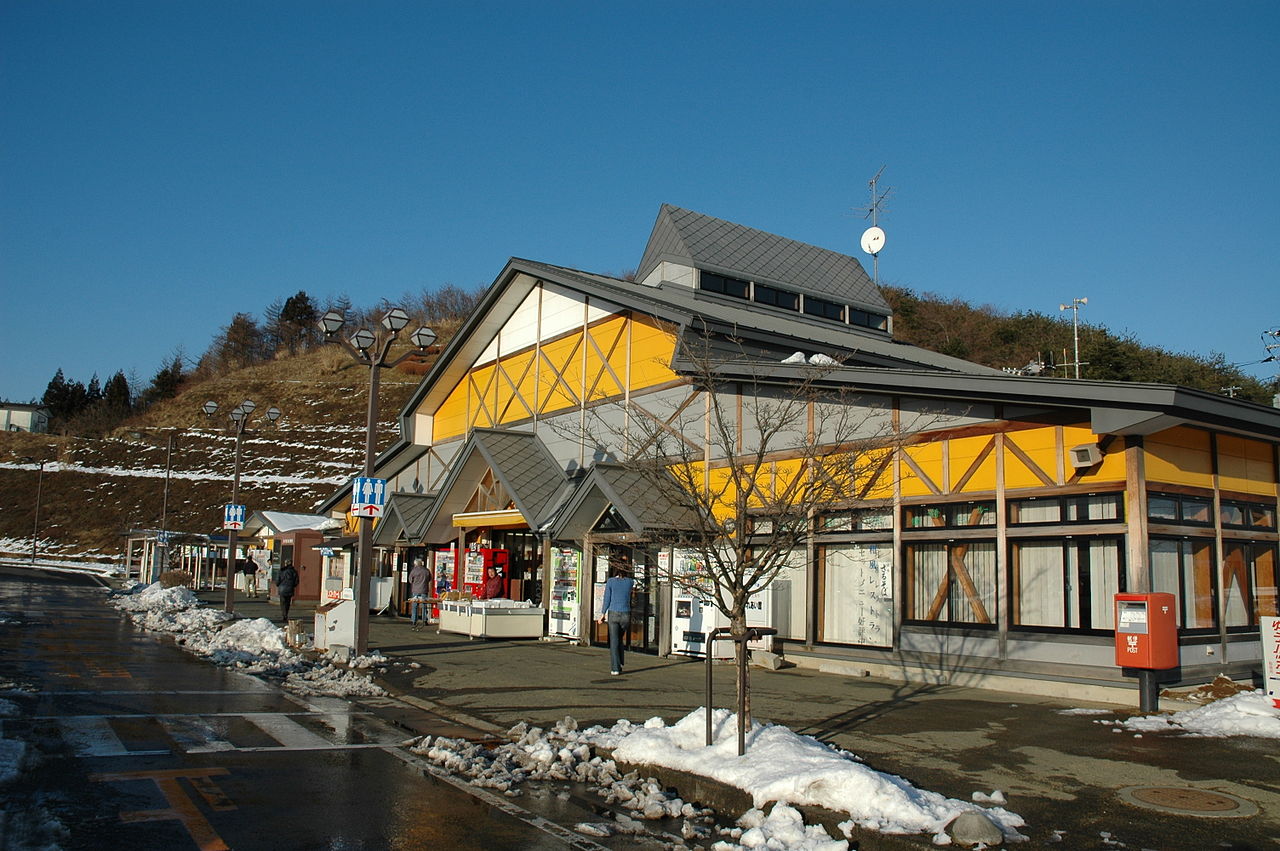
<point x="928" y="456"/>
<point x="1179" y="456"/>
<point x="1038" y="444"/>
<point x="964" y="451"/>
<point x="451" y="417"/>
<point x="518" y="403"/>
<point x="1112" y="467"/>
<point x="651" y="349"/>
<point x="1246" y="466"/>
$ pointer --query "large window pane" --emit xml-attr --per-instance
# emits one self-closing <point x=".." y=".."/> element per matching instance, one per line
<point x="1104" y="583"/>
<point x="857" y="604"/>
<point x="953" y="582"/>
<point x="1039" y="584"/>
<point x="1184" y="568"/>
<point x="791" y="597"/>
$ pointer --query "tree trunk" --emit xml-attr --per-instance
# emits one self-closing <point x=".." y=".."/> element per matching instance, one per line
<point x="738" y="629"/>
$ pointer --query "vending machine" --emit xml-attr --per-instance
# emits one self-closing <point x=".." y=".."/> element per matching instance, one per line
<point x="694" y="615"/>
<point x="566" y="563"/>
<point x="475" y="564"/>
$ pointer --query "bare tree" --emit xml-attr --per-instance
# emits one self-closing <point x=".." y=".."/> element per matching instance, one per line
<point x="747" y="459"/>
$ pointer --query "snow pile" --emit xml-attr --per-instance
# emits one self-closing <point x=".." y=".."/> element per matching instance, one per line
<point x="783" y="827"/>
<point x="781" y="765"/>
<point x="255" y="646"/>
<point x="1245" y="714"/>
<point x="564" y="754"/>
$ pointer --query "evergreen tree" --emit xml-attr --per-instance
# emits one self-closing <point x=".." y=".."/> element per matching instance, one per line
<point x="116" y="396"/>
<point x="298" y="321"/>
<point x="168" y="379"/>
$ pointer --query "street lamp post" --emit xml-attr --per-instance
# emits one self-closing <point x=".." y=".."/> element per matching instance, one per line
<point x="239" y="419"/>
<point x="35" y="526"/>
<point x="371" y="349"/>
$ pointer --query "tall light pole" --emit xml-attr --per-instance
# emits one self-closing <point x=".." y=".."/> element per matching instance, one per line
<point x="239" y="419"/>
<point x="35" y="526"/>
<point x="1074" y="307"/>
<point x="371" y="349"/>
<point x="164" y="503"/>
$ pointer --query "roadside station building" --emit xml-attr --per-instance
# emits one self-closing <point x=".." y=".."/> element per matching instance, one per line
<point x="989" y="547"/>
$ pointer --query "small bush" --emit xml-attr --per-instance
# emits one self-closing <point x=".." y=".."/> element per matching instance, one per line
<point x="174" y="578"/>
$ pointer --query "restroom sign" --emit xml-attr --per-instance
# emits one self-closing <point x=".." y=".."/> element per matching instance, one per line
<point x="233" y="516"/>
<point x="368" y="496"/>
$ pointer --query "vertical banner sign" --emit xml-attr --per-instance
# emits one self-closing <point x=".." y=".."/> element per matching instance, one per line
<point x="233" y="516"/>
<point x="368" y="496"/>
<point x="1270" y="628"/>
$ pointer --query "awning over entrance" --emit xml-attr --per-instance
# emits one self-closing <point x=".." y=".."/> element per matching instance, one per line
<point x="510" y="518"/>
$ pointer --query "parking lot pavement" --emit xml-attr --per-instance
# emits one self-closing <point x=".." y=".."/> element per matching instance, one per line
<point x="1066" y="774"/>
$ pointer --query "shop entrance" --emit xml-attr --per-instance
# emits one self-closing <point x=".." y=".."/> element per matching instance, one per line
<point x="643" y="565"/>
<point x="524" y="569"/>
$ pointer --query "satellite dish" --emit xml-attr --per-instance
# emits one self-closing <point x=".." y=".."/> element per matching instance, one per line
<point x="872" y="240"/>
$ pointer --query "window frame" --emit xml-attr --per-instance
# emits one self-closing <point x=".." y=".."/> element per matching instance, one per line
<point x="1082" y="592"/>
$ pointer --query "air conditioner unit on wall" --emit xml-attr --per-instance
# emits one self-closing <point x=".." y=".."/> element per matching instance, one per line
<point x="1085" y="455"/>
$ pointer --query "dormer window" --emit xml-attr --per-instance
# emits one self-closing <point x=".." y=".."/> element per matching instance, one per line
<point x="824" y="309"/>
<point x="714" y="283"/>
<point x="789" y="300"/>
<point x="775" y="297"/>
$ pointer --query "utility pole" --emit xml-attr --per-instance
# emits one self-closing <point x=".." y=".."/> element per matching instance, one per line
<point x="1074" y="307"/>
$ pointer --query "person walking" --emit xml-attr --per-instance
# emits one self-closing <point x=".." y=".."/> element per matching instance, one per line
<point x="616" y="611"/>
<point x="286" y="584"/>
<point x="419" y="582"/>
<point x="249" y="570"/>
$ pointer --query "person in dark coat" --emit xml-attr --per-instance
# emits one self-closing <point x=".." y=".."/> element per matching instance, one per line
<point x="419" y="584"/>
<point x="286" y="585"/>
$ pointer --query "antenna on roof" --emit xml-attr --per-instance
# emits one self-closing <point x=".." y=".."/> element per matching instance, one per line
<point x="873" y="237"/>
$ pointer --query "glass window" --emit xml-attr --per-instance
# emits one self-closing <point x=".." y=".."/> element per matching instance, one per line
<point x="815" y="306"/>
<point x="950" y="514"/>
<point x="1065" y="584"/>
<point x="1184" y="568"/>
<point x="952" y="582"/>
<point x="1094" y="507"/>
<point x="1248" y="582"/>
<point x="714" y="283"/>
<point x="1162" y="508"/>
<point x="1261" y="516"/>
<point x="1197" y="510"/>
<point x="857" y="594"/>
<point x="1035" y="511"/>
<point x="776" y="297"/>
<point x="1247" y="515"/>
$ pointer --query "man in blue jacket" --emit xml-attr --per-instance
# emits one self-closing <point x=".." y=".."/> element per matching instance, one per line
<point x="616" y="611"/>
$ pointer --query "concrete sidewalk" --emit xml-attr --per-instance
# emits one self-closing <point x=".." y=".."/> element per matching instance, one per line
<point x="1063" y="773"/>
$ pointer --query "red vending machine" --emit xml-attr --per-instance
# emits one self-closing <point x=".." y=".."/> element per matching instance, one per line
<point x="477" y="561"/>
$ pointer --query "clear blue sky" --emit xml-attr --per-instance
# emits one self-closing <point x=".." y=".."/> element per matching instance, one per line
<point x="164" y="165"/>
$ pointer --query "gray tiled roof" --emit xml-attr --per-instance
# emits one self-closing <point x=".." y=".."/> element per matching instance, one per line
<point x="640" y="501"/>
<point x="695" y="239"/>
<point x="525" y="468"/>
<point x="404" y="511"/>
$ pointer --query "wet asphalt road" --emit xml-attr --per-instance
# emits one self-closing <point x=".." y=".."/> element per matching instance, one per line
<point x="141" y="745"/>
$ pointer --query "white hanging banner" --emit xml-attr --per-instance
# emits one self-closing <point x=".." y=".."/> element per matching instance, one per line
<point x="1270" y="628"/>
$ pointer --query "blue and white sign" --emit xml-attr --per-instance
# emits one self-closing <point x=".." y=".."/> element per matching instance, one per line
<point x="368" y="496"/>
<point x="233" y="517"/>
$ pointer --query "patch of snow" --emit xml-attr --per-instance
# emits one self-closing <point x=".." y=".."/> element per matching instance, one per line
<point x="1245" y="714"/>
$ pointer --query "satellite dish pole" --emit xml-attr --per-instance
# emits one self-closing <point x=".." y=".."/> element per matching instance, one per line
<point x="873" y="237"/>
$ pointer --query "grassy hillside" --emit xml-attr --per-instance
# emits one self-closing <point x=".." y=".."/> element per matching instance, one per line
<point x="95" y="489"/>
<point x="987" y="336"/>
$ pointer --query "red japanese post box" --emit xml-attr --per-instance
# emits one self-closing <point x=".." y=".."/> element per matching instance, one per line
<point x="1146" y="631"/>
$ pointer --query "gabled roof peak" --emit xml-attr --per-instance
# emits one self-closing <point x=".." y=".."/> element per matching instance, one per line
<point x="694" y="239"/>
